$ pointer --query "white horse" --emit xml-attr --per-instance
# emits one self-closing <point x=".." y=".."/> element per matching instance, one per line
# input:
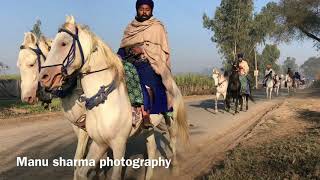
<point x="277" y="84"/>
<point x="221" y="85"/>
<point x="283" y="81"/>
<point x="289" y="82"/>
<point x="31" y="55"/>
<point x="77" y="50"/>
<point x="269" y="86"/>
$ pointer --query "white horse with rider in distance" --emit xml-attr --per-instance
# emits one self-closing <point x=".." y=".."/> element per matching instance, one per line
<point x="268" y="81"/>
<point x="221" y="86"/>
<point x="289" y="84"/>
<point x="277" y="84"/>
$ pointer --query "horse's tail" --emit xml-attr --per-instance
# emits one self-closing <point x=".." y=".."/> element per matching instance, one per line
<point x="182" y="123"/>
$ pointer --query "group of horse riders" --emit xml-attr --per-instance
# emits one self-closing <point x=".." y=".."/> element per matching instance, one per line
<point x="243" y="69"/>
<point x="270" y="73"/>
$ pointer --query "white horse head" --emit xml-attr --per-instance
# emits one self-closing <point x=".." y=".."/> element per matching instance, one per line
<point x="30" y="58"/>
<point x="70" y="52"/>
<point x="216" y="75"/>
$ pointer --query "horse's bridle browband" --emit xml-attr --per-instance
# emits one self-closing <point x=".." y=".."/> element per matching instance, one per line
<point x="38" y="52"/>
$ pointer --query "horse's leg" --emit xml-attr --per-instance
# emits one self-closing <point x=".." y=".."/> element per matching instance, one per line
<point x="241" y="103"/>
<point x="267" y="91"/>
<point x="95" y="153"/>
<point x="118" y="146"/>
<point x="227" y="103"/>
<point x="216" y="102"/>
<point x="82" y="144"/>
<point x="247" y="102"/>
<point x="237" y="102"/>
<point x="224" y="100"/>
<point x="151" y="148"/>
<point x="271" y="90"/>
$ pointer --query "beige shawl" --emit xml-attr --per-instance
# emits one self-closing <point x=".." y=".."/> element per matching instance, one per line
<point x="152" y="36"/>
<point x="244" y="68"/>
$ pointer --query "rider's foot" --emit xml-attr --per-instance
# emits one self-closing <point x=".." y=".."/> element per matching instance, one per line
<point x="146" y="120"/>
<point x="147" y="123"/>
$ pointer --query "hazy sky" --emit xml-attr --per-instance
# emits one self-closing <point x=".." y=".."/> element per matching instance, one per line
<point x="192" y="50"/>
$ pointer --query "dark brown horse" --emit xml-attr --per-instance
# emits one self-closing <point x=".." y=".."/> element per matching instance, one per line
<point x="234" y="90"/>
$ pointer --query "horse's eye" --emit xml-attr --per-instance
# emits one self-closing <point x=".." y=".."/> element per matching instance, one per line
<point x="31" y="65"/>
<point x="63" y="44"/>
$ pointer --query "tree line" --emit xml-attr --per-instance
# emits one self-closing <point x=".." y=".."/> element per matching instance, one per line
<point x="236" y="28"/>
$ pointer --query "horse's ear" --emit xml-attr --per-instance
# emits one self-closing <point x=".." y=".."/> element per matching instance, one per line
<point x="70" y="19"/>
<point x="29" y="38"/>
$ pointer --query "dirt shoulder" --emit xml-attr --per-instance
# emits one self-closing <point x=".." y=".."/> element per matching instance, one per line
<point x="284" y="145"/>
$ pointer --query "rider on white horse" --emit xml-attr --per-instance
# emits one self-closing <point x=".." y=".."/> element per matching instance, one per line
<point x="268" y="73"/>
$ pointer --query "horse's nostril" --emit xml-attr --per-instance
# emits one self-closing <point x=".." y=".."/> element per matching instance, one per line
<point x="27" y="99"/>
<point x="45" y="77"/>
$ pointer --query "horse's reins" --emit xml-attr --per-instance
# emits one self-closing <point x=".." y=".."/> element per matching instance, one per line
<point x="219" y="84"/>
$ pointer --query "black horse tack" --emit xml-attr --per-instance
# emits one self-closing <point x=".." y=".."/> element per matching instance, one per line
<point x="70" y="81"/>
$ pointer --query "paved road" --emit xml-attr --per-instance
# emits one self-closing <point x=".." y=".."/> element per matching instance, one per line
<point x="50" y="136"/>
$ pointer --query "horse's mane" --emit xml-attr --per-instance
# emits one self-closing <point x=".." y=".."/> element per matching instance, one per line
<point x="112" y="60"/>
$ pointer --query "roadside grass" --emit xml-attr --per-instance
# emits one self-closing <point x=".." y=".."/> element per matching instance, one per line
<point x="10" y="76"/>
<point x="295" y="155"/>
<point x="9" y="108"/>
<point x="195" y="84"/>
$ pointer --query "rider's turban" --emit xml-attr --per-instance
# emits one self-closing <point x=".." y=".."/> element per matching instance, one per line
<point x="142" y="2"/>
